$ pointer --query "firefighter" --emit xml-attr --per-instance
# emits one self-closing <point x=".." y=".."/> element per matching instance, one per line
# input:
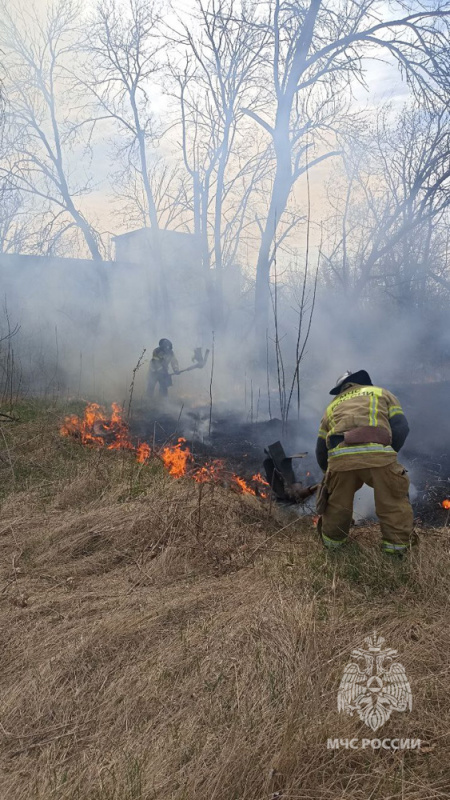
<point x="360" y="435"/>
<point x="163" y="357"/>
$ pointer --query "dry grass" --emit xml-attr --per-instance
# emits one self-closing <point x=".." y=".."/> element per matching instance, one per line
<point x="154" y="651"/>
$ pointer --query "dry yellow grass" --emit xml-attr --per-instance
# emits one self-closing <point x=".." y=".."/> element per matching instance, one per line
<point x="152" y="651"/>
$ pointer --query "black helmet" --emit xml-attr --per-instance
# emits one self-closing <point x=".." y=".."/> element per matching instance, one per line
<point x="361" y="377"/>
<point x="165" y="344"/>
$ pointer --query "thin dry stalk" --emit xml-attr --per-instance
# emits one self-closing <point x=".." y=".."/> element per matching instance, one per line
<point x="200" y="495"/>
<point x="8" y="453"/>
<point x="131" y="389"/>
<point x="211" y="384"/>
<point x="268" y="374"/>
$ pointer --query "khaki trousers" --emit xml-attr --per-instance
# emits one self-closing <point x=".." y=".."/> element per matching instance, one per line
<point x="390" y="484"/>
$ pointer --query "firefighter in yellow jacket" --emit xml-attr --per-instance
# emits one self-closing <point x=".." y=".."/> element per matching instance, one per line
<point x="163" y="357"/>
<point x="360" y="435"/>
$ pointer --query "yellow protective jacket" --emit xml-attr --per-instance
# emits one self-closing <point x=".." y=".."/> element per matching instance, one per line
<point x="354" y="408"/>
<point x="161" y="361"/>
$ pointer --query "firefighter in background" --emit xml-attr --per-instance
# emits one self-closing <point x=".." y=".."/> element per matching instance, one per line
<point x="163" y="357"/>
<point x="360" y="435"/>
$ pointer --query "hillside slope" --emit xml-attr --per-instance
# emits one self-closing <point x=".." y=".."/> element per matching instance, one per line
<point x="162" y="644"/>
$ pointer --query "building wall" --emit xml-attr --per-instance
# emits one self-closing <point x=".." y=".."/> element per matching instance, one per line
<point x="179" y="269"/>
<point x="180" y="251"/>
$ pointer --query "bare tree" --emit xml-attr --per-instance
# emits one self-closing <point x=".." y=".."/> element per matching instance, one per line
<point x="12" y="232"/>
<point x="28" y="225"/>
<point x="123" y="45"/>
<point x="301" y="289"/>
<point x="169" y="192"/>
<point x="440" y="269"/>
<point x="390" y="208"/>
<point x="199" y="148"/>
<point x="226" y="56"/>
<point x="317" y="52"/>
<point x="124" y="56"/>
<point x="215" y="80"/>
<point x="40" y="139"/>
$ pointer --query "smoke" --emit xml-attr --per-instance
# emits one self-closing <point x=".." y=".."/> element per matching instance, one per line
<point x="84" y="326"/>
<point x="404" y="350"/>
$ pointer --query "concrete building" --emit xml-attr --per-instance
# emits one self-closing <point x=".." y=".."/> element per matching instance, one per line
<point x="179" y="251"/>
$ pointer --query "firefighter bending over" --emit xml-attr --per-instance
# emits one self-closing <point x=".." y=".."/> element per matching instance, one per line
<point x="163" y="357"/>
<point x="360" y="435"/>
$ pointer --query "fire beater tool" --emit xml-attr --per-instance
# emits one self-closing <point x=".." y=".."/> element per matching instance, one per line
<point x="280" y="475"/>
<point x="199" y="359"/>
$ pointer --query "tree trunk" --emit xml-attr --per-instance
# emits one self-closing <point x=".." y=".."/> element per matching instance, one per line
<point x="284" y="176"/>
<point x="152" y="212"/>
<point x="280" y="193"/>
<point x="87" y="233"/>
<point x="91" y="243"/>
<point x="206" y="261"/>
<point x="218" y="258"/>
<point x="197" y="204"/>
<point x="206" y="258"/>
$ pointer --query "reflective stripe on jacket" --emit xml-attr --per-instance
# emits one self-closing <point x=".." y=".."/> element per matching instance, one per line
<point x="161" y="361"/>
<point x="359" y="407"/>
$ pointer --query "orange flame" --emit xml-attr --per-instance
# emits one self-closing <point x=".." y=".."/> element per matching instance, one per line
<point x="95" y="427"/>
<point x="242" y="485"/>
<point x="261" y="485"/>
<point x="119" y="428"/>
<point x="210" y="472"/>
<point x="202" y="475"/>
<point x="143" y="452"/>
<point x="446" y="504"/>
<point x="258" y="478"/>
<point x="176" y="459"/>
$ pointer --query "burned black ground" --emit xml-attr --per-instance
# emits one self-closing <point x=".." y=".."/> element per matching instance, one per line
<point x="241" y="443"/>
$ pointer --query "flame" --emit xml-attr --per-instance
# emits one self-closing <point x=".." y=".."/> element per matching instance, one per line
<point x="258" y="478"/>
<point x="143" y="452"/>
<point x="111" y="431"/>
<point x="261" y="485"/>
<point x="211" y="472"/>
<point x="202" y="475"/>
<point x="215" y="471"/>
<point x="446" y="504"/>
<point x="242" y="485"/>
<point x="119" y="428"/>
<point x="176" y="459"/>
<point x="315" y="521"/>
<point x="95" y="427"/>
